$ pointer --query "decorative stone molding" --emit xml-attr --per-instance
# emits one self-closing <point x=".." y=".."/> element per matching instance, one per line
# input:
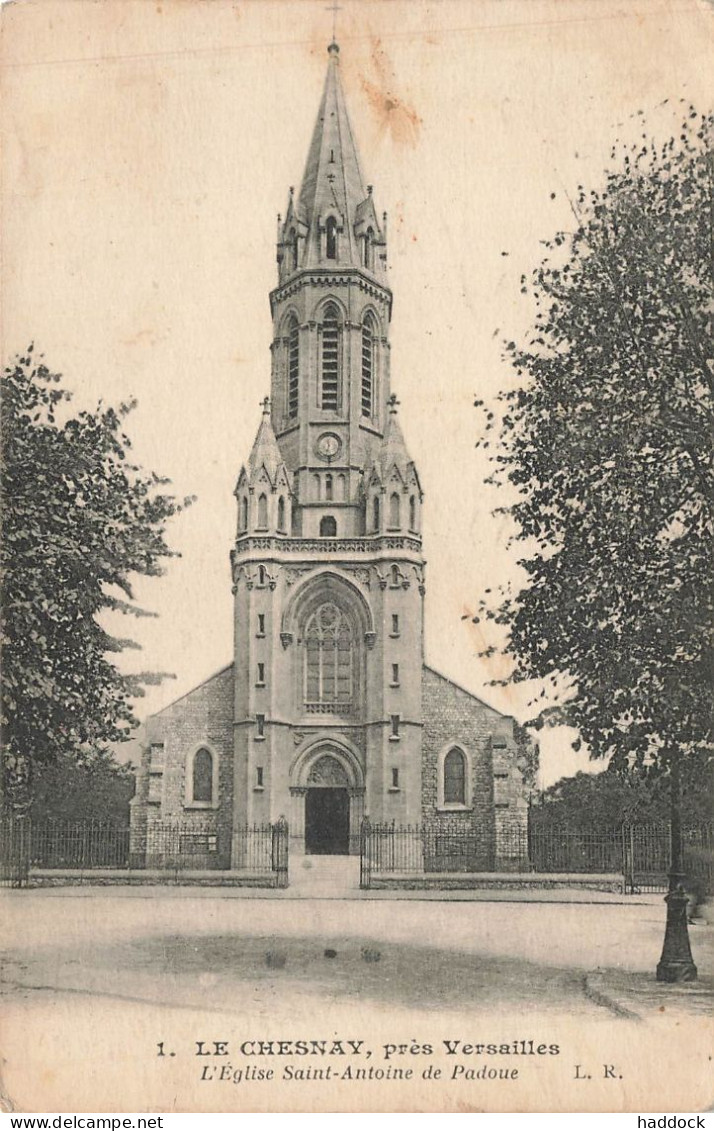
<point x="370" y="544"/>
<point x="286" y="639"/>
<point x="293" y="574"/>
<point x="370" y="639"/>
<point x="360" y="573"/>
<point x="327" y="771"/>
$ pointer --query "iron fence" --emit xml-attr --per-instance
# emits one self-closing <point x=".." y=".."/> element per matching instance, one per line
<point x="646" y="857"/>
<point x="78" y="844"/>
<point x="65" y="849"/>
<point x="14" y="851"/>
<point x="640" y="854"/>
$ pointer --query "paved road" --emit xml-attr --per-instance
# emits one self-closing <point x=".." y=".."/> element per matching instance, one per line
<point x="174" y="947"/>
<point x="114" y="968"/>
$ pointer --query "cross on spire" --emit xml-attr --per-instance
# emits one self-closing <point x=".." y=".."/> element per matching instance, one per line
<point x="334" y="8"/>
<point x="393" y="402"/>
<point x="265" y="403"/>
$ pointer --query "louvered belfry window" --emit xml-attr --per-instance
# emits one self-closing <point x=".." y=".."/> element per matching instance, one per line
<point x="330" y="360"/>
<point x="293" y="368"/>
<point x="367" y="368"/>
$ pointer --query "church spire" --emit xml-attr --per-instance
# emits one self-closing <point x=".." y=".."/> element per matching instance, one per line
<point x="334" y="220"/>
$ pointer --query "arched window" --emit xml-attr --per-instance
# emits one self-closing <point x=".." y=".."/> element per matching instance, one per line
<point x="331" y="237"/>
<point x="412" y="513"/>
<point x="375" y="514"/>
<point x="244" y="513"/>
<point x="330" y="375"/>
<point x="328" y="488"/>
<point x="293" y="241"/>
<point x="317" y="486"/>
<point x="328" y="527"/>
<point x="202" y="776"/>
<point x="293" y="367"/>
<point x="329" y="650"/>
<point x="369" y="249"/>
<point x="261" y="575"/>
<point x="395" y="575"/>
<point x="341" y="487"/>
<point x="394" y="511"/>
<point x="454" y="778"/>
<point x="281" y="513"/>
<point x="367" y="367"/>
<point x="262" y="512"/>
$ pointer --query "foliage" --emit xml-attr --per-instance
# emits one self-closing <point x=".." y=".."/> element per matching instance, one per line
<point x="610" y="799"/>
<point x="606" y="439"/>
<point x="79" y="520"/>
<point x="99" y="789"/>
<point x="528" y="756"/>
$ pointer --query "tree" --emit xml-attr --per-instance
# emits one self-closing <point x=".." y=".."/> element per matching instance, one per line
<point x="606" y="439"/>
<point x="594" y="802"/>
<point x="79" y="521"/>
<point x="97" y="789"/>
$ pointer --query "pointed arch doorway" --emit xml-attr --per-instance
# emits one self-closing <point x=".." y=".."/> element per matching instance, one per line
<point x="330" y="803"/>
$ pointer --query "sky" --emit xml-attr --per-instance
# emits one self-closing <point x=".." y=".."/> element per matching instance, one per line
<point x="149" y="149"/>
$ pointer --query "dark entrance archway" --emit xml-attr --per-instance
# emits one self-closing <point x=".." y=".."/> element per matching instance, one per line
<point x="327" y="821"/>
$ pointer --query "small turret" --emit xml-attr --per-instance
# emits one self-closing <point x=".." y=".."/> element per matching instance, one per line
<point x="393" y="494"/>
<point x="263" y="488"/>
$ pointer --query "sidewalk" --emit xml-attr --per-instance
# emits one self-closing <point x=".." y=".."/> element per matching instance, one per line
<point x="640" y="996"/>
<point x="88" y="890"/>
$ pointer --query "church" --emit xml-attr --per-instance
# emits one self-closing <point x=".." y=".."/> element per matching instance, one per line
<point x="329" y="712"/>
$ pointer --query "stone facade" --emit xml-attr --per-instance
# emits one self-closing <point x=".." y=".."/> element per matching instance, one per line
<point x="328" y="713"/>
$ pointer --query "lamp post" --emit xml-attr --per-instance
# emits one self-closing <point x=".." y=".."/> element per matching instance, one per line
<point x="676" y="963"/>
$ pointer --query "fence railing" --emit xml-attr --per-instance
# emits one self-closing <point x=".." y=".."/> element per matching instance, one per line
<point x="30" y="848"/>
<point x="14" y="852"/>
<point x="640" y="854"/>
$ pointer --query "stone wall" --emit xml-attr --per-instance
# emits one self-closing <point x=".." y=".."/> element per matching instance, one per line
<point x="202" y="717"/>
<point x="495" y="809"/>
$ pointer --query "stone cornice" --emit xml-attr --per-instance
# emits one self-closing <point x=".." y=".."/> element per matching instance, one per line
<point x="350" y="277"/>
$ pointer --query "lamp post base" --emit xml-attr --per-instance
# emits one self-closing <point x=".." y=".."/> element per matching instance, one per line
<point x="676" y="963"/>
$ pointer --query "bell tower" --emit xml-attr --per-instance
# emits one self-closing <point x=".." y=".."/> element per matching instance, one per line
<point x="328" y="573"/>
<point x="331" y="311"/>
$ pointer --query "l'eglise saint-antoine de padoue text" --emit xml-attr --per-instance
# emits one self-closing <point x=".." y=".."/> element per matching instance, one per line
<point x="339" y="1058"/>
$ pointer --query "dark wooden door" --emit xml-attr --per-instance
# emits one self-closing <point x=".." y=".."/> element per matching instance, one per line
<point x="327" y="822"/>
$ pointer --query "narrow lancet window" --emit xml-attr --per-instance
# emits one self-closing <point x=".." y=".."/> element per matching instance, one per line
<point x="455" y="778"/>
<point x="202" y="777"/>
<point x="331" y="238"/>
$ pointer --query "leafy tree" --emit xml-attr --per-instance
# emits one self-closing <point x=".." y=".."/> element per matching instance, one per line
<point x="79" y="520"/>
<point x="608" y="800"/>
<point x="606" y="439"/>
<point x="98" y="789"/>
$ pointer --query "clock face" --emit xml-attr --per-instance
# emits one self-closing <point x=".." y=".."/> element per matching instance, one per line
<point x="328" y="445"/>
